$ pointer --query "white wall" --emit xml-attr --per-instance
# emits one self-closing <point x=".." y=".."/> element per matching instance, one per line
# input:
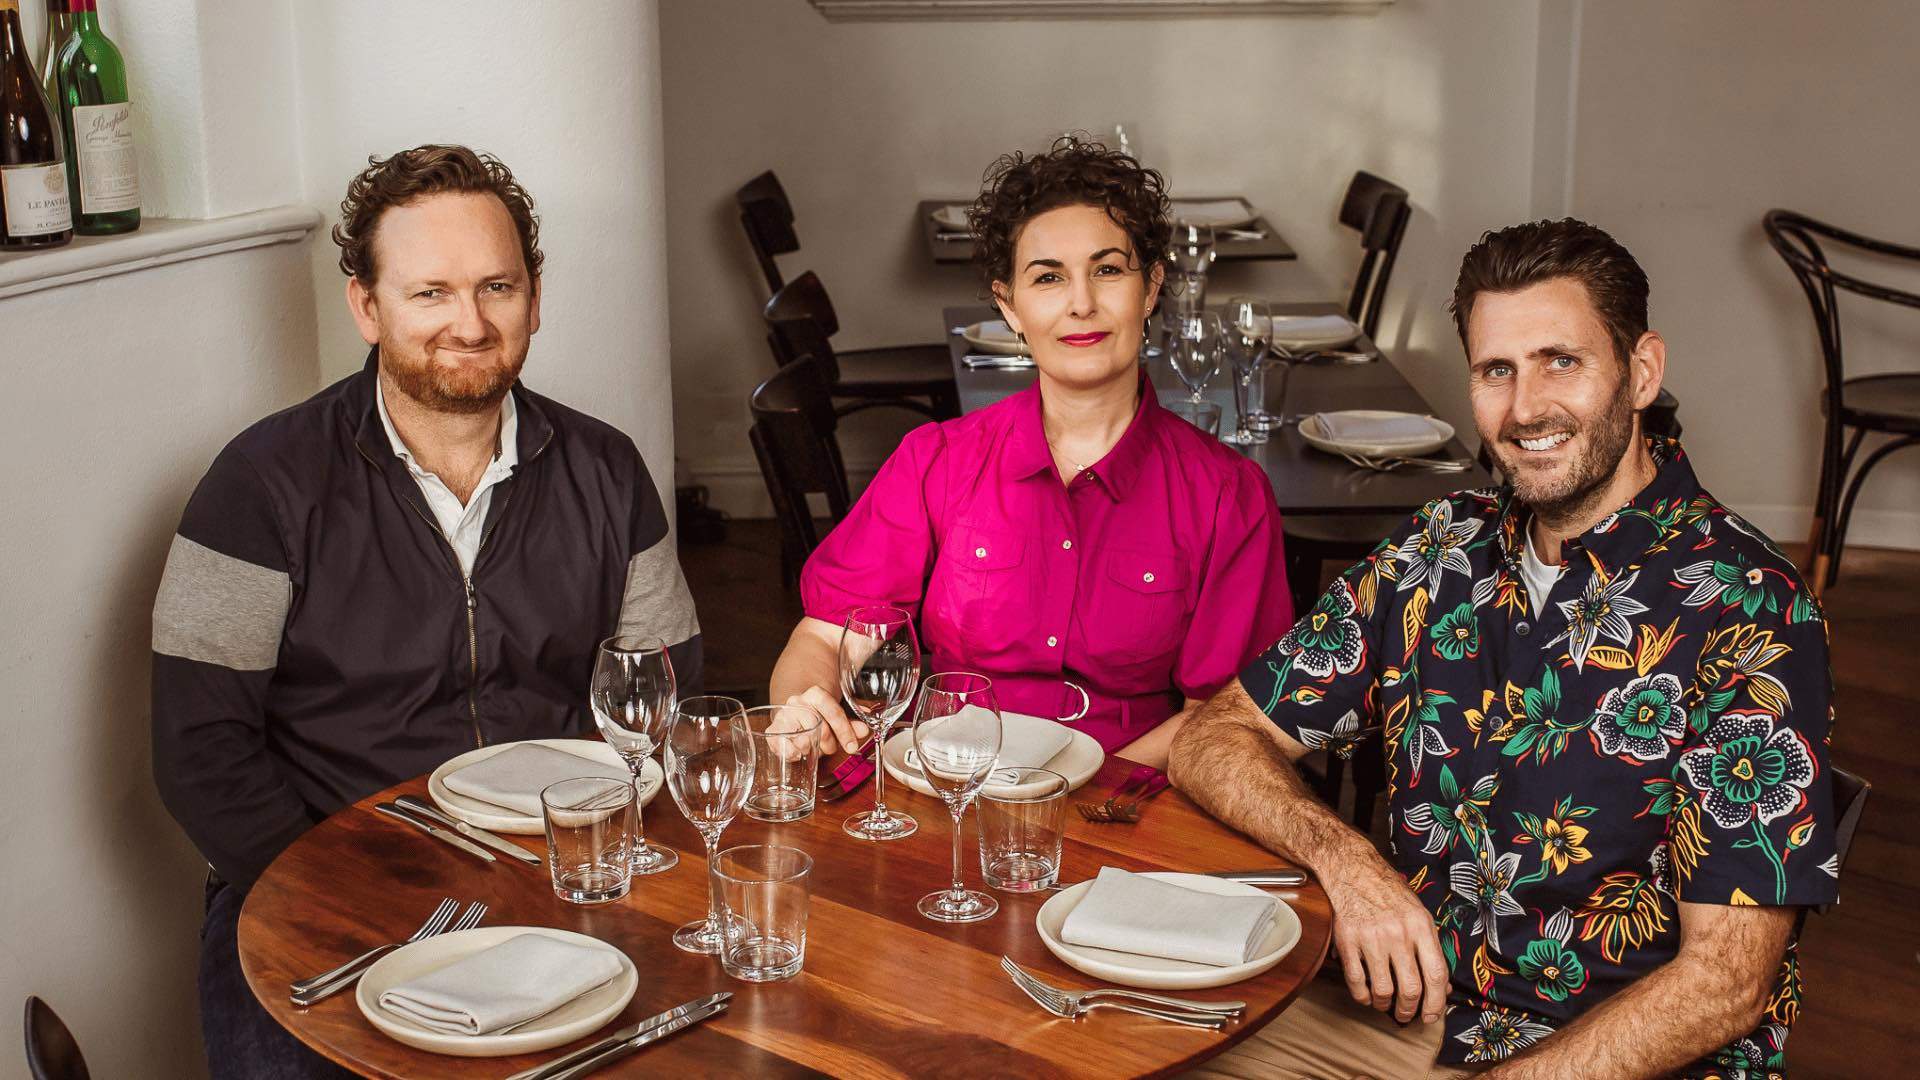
<point x="863" y="120"/>
<point x="1689" y="122"/>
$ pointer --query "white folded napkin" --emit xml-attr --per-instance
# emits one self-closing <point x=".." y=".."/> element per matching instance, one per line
<point x="1029" y="742"/>
<point x="1375" y="430"/>
<point x="996" y="331"/>
<point x="514" y="777"/>
<point x="1131" y="913"/>
<point x="1309" y="330"/>
<point x="513" y="982"/>
<point x="1219" y="213"/>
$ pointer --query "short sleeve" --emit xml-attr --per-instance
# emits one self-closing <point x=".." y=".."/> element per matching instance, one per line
<point x="1753" y="821"/>
<point x="1243" y="603"/>
<point x="883" y="552"/>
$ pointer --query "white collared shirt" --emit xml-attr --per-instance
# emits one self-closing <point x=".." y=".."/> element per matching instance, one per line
<point x="461" y="525"/>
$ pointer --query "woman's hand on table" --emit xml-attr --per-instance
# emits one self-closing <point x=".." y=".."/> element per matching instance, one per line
<point x="841" y="733"/>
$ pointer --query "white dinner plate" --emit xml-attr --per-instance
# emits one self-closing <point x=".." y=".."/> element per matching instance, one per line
<point x="1078" y="762"/>
<point x="1219" y="213"/>
<point x="486" y="815"/>
<point x="1434" y="438"/>
<point x="994" y="336"/>
<point x="1297" y="332"/>
<point x="1159" y="973"/>
<point x="951" y="217"/>
<point x="584" y="1014"/>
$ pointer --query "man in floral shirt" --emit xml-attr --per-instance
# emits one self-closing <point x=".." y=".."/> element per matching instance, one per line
<point x="1605" y="699"/>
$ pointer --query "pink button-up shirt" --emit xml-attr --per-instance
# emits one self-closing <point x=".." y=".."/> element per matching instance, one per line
<point x="1156" y="574"/>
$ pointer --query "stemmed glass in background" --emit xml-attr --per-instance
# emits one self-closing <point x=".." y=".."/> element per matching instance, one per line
<point x="879" y="671"/>
<point x="1191" y="251"/>
<point x="1249" y="332"/>
<point x="1194" y="351"/>
<point x="956" y="736"/>
<point x="709" y="763"/>
<point x="632" y="695"/>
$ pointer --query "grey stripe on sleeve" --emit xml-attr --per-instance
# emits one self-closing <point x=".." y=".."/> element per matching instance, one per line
<point x="657" y="600"/>
<point x="221" y="610"/>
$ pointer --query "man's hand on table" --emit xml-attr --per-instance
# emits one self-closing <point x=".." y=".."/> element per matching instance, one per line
<point x="1388" y="947"/>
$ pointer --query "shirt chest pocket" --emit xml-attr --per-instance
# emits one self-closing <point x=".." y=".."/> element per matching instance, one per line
<point x="1139" y="603"/>
<point x="986" y="586"/>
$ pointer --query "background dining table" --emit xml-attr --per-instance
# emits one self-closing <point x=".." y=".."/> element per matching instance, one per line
<point x="884" y="992"/>
<point x="1271" y="247"/>
<point x="1305" y="480"/>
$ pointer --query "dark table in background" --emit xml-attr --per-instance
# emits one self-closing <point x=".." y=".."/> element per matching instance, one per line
<point x="1305" y="480"/>
<point x="1274" y="247"/>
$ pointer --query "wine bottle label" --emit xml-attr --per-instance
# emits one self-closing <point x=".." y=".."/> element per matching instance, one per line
<point x="36" y="199"/>
<point x="103" y="150"/>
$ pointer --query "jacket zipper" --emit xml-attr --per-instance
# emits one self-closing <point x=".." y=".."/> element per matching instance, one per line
<point x="473" y="658"/>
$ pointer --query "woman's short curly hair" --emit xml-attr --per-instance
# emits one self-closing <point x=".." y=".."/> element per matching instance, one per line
<point x="1073" y="172"/>
<point x="428" y="170"/>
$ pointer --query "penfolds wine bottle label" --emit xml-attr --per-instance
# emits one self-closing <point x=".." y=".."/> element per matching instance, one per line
<point x="103" y="151"/>
<point x="35" y="198"/>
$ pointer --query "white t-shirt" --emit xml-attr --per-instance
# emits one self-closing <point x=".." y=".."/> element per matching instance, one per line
<point x="461" y="525"/>
<point x="1538" y="575"/>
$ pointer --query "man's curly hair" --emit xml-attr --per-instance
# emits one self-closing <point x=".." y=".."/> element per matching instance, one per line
<point x="428" y="170"/>
<point x="1073" y="172"/>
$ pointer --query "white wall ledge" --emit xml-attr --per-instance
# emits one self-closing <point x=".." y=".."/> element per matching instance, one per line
<point x="158" y="242"/>
<point x="948" y="10"/>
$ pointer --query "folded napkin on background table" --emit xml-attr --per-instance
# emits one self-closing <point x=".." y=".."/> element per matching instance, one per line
<point x="996" y="331"/>
<point x="1289" y="329"/>
<point x="514" y="777"/>
<point x="1376" y="430"/>
<point x="1131" y="913"/>
<point x="513" y="982"/>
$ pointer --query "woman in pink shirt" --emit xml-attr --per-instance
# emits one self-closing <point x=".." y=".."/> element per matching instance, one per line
<point x="1075" y="532"/>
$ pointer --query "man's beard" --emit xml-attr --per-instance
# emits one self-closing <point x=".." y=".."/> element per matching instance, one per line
<point x="463" y="388"/>
<point x="1567" y="495"/>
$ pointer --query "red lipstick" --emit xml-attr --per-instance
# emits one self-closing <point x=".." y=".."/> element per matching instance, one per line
<point x="1081" y="341"/>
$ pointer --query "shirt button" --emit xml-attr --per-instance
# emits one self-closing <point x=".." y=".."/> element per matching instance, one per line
<point x="980" y="553"/>
<point x="1052" y="642"/>
<point x="1066" y="545"/>
<point x="1523" y="628"/>
<point x="1147" y="577"/>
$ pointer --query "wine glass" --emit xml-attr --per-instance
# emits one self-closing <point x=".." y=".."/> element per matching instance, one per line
<point x="879" y="671"/>
<point x="710" y="772"/>
<point x="1194" y="351"/>
<point x="1126" y="139"/>
<point x="956" y="735"/>
<point x="632" y="695"/>
<point x="1249" y="331"/>
<point x="1191" y="251"/>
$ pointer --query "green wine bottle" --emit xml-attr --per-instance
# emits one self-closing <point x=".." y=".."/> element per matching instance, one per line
<point x="96" y="120"/>
<point x="33" y="188"/>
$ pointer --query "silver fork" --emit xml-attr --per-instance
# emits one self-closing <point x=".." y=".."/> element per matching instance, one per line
<point x="1059" y="1005"/>
<point x="435" y="923"/>
<point x="469" y="919"/>
<point x="1075" y="997"/>
<point x="1389" y="464"/>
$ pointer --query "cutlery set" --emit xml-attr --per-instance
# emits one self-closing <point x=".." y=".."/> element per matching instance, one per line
<point x="1393" y="464"/>
<point x="1142" y="783"/>
<point x="422" y="815"/>
<point x="628" y="1040"/>
<point x="1074" y="1004"/>
<point x="318" y="988"/>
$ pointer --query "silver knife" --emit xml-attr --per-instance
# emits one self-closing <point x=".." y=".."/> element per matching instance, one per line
<point x="472" y="832"/>
<point x="634" y="1044"/>
<point x="547" y="1070"/>
<point x="435" y="831"/>
<point x="1275" y="876"/>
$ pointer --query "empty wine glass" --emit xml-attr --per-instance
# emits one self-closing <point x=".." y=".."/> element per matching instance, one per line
<point x="1191" y="251"/>
<point x="956" y="736"/>
<point x="1249" y="330"/>
<point x="709" y="763"/>
<point x="1126" y="139"/>
<point x="632" y="696"/>
<point x="1194" y="351"/>
<point x="879" y="671"/>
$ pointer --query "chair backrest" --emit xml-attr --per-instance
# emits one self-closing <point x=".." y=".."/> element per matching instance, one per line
<point x="1849" y="799"/>
<point x="1377" y="209"/>
<point x="767" y="217"/>
<point x="1792" y="237"/>
<point x="794" y="438"/>
<point x="52" y="1053"/>
<point x="800" y="322"/>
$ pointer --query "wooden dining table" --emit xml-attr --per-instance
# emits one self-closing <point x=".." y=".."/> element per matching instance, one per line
<point x="884" y="992"/>
<point x="1268" y="246"/>
<point x="1305" y="480"/>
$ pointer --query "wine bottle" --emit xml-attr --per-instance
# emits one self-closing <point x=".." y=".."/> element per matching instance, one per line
<point x="59" y="25"/>
<point x="103" y="179"/>
<point x="33" y="189"/>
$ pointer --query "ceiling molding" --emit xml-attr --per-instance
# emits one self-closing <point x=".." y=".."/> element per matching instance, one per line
<point x="953" y="10"/>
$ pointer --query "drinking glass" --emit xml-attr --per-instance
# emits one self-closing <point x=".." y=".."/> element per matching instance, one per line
<point x="1023" y="818"/>
<point x="1195" y="352"/>
<point x="879" y="671"/>
<point x="710" y="772"/>
<point x="1204" y="415"/>
<point x="632" y="696"/>
<point x="786" y="761"/>
<point x="956" y="736"/>
<point x="1193" y="246"/>
<point x="1249" y="331"/>
<point x="589" y="824"/>
<point x="767" y="887"/>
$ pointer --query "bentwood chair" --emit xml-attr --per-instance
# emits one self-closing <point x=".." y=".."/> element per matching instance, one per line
<point x="794" y="437"/>
<point x="1377" y="209"/>
<point x="916" y="377"/>
<point x="52" y="1053"/>
<point x="1853" y="408"/>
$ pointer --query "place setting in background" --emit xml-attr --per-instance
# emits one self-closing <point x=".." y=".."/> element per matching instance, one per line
<point x="995" y="346"/>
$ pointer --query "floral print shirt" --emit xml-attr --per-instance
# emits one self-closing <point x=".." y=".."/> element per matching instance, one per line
<point x="1557" y="784"/>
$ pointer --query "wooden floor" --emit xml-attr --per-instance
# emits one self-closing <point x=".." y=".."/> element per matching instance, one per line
<point x="1861" y="1016"/>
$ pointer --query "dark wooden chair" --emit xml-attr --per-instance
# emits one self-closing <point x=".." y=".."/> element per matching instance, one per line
<point x="1377" y="209"/>
<point x="800" y="322"/>
<point x="916" y="377"/>
<point x="52" y="1053"/>
<point x="794" y="437"/>
<point x="1885" y="404"/>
